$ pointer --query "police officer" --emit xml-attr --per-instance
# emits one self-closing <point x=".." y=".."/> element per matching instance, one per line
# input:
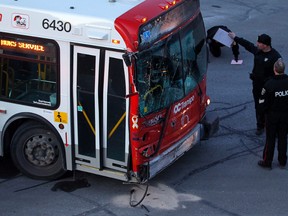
<point x="274" y="102"/>
<point x="264" y="58"/>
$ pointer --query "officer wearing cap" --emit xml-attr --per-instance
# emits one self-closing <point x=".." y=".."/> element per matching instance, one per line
<point x="274" y="101"/>
<point x="264" y="58"/>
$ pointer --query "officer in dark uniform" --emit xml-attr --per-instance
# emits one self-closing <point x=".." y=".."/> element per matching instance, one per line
<point x="274" y="102"/>
<point x="264" y="58"/>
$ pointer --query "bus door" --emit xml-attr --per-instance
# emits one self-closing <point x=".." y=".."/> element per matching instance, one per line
<point x="86" y="105"/>
<point x="115" y="109"/>
<point x="100" y="109"/>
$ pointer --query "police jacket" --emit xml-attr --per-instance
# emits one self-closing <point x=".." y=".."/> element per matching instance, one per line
<point x="274" y="95"/>
<point x="263" y="61"/>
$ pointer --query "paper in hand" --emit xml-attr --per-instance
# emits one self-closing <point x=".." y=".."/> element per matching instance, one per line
<point x="222" y="37"/>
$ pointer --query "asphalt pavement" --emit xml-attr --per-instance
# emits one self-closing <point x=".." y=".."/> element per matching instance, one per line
<point x="218" y="177"/>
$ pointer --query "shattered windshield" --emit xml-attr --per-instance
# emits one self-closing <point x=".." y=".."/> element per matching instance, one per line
<point x="171" y="69"/>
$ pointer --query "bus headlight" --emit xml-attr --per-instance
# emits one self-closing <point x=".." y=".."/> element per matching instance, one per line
<point x="208" y="101"/>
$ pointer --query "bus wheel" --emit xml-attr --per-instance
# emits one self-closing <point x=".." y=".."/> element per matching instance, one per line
<point x="37" y="152"/>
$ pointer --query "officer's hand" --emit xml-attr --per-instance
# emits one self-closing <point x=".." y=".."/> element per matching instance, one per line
<point x="232" y="35"/>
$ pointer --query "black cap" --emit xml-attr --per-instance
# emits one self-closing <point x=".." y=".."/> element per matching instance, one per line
<point x="265" y="39"/>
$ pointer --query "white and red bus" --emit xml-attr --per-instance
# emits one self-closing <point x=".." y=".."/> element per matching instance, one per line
<point x="111" y="87"/>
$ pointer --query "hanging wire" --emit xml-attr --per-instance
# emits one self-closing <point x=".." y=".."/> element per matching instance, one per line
<point x="132" y="203"/>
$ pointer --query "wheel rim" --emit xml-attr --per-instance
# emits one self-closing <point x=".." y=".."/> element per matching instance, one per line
<point x="40" y="151"/>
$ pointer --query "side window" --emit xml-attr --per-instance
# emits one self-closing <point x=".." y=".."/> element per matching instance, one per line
<point x="29" y="70"/>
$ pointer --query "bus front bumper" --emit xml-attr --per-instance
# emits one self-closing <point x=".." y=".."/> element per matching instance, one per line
<point x="208" y="126"/>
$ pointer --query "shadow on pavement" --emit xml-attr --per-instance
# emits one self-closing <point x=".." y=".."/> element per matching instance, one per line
<point x="7" y="169"/>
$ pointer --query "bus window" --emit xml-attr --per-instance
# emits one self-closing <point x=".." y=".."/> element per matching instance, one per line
<point x="171" y="69"/>
<point x="194" y="54"/>
<point x="116" y="110"/>
<point x="86" y="100"/>
<point x="28" y="70"/>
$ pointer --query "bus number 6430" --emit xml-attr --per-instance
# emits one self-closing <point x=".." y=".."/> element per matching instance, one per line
<point x="56" y="25"/>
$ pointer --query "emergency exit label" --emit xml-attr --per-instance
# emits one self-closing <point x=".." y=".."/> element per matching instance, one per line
<point x="60" y="117"/>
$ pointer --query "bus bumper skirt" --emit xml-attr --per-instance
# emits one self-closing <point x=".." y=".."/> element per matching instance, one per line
<point x="176" y="151"/>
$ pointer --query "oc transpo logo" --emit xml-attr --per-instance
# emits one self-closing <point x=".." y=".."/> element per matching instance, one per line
<point x="182" y="105"/>
<point x="0" y="17"/>
<point x="20" y="21"/>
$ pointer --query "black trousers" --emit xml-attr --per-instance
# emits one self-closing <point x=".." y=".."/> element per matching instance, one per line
<point x="276" y="128"/>
<point x="260" y="116"/>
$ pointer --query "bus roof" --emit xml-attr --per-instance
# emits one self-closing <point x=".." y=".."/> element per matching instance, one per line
<point x="104" y="9"/>
<point x="91" y="22"/>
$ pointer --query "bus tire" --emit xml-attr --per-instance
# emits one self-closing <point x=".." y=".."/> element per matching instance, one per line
<point x="36" y="152"/>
